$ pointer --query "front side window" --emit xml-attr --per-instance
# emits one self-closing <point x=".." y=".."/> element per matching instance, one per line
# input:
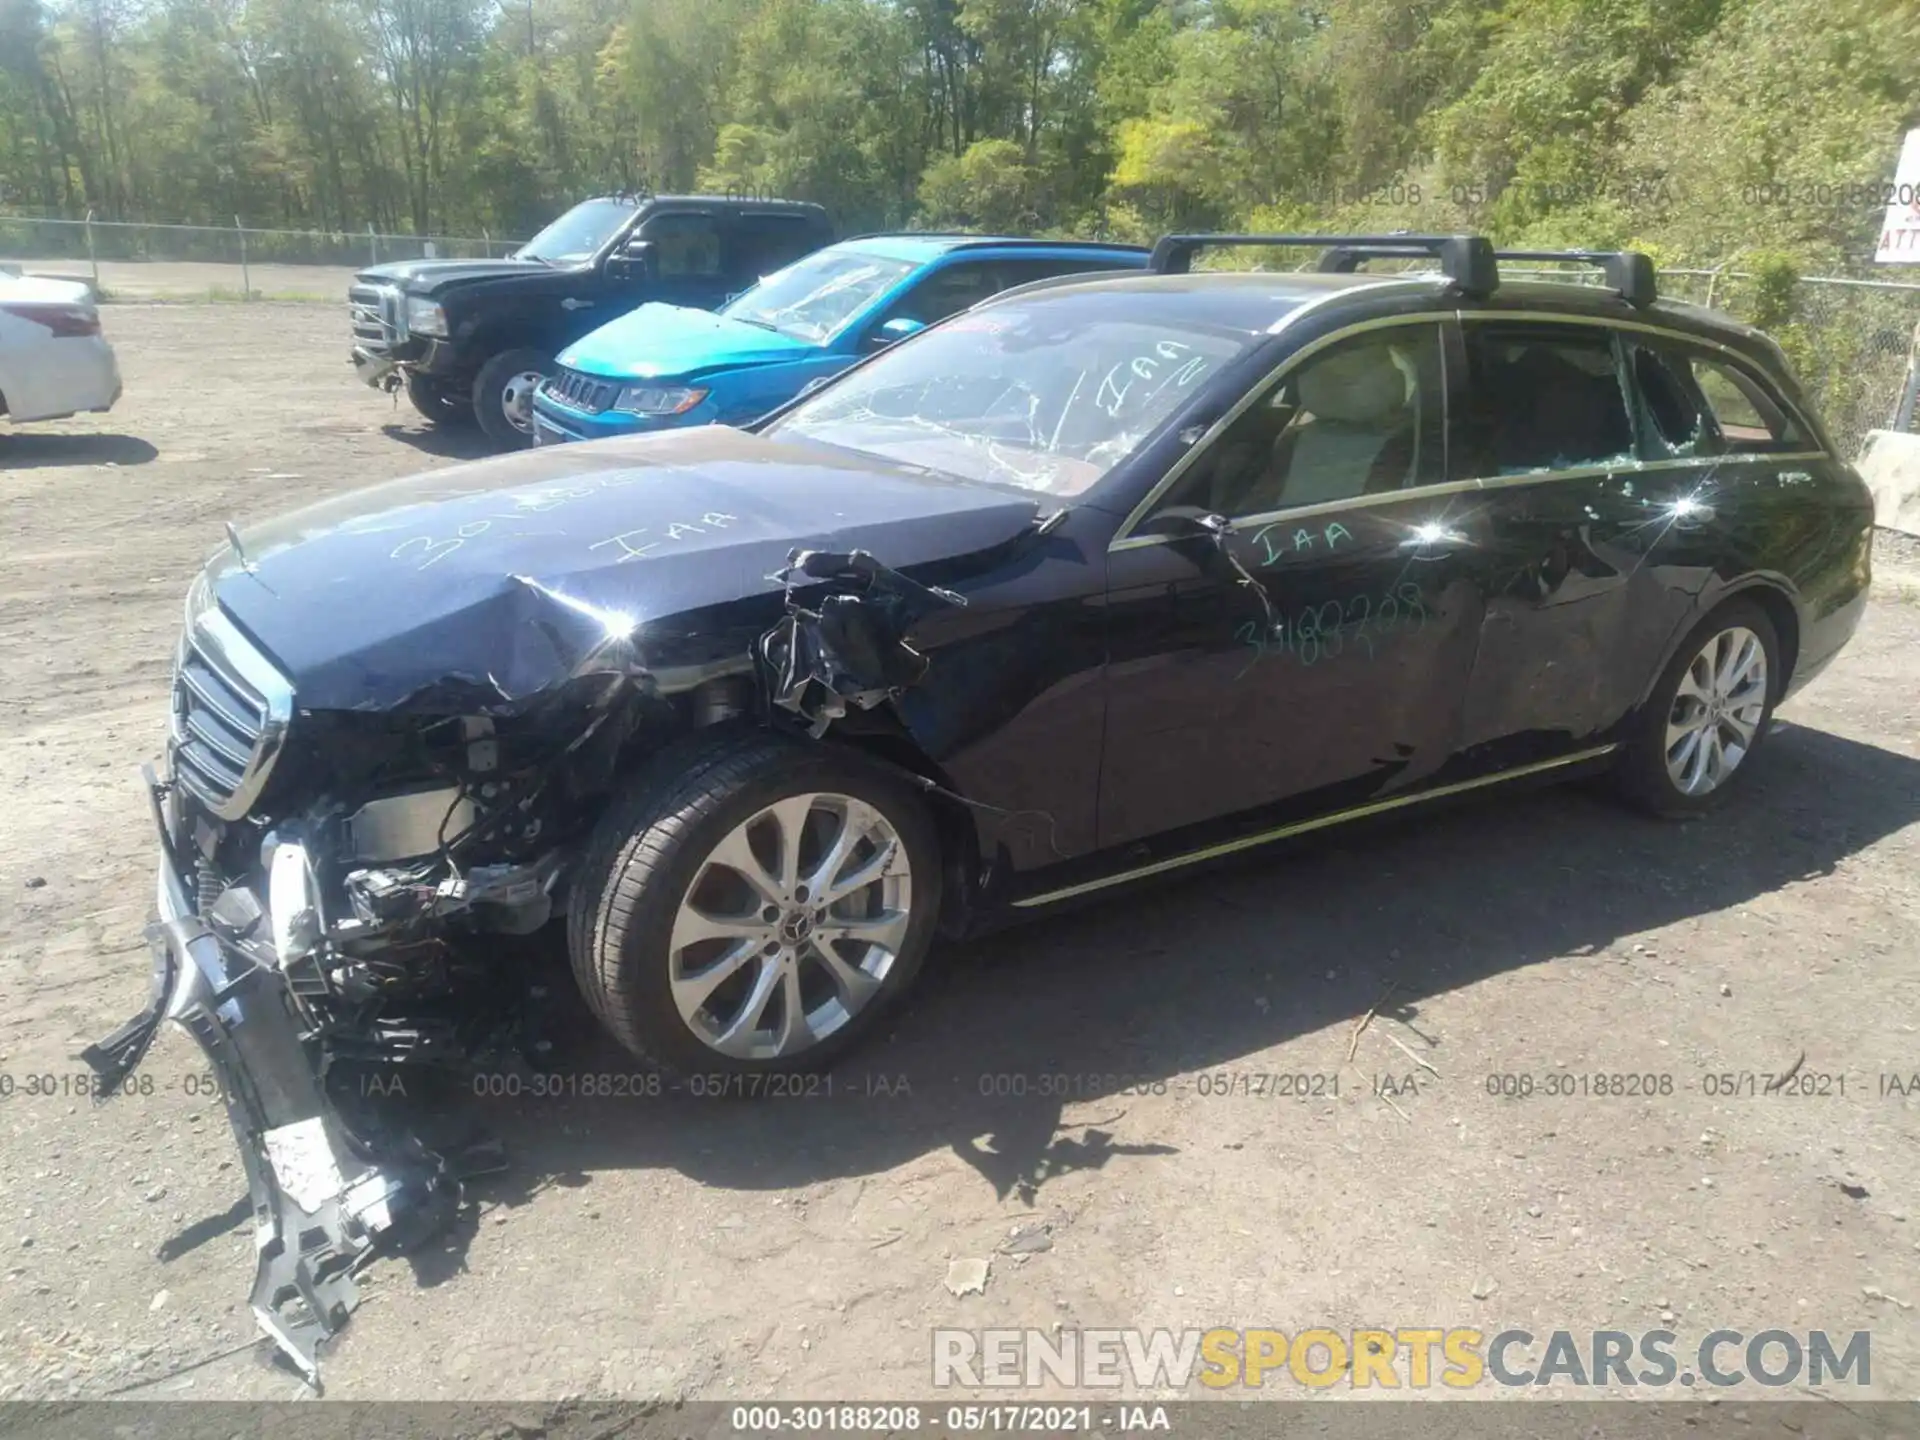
<point x="1541" y="397"/>
<point x="1362" y="417"/>
<point x="579" y="234"/>
<point x="684" y="246"/>
<point x="1748" y="418"/>
<point x="815" y="298"/>
<point x="1047" y="393"/>
<point x="947" y="291"/>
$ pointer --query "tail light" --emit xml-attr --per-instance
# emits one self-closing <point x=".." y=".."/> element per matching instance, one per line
<point x="63" y="320"/>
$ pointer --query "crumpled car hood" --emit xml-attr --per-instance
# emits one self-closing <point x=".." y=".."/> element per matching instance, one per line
<point x="431" y="276"/>
<point x="660" y="341"/>
<point x="475" y="588"/>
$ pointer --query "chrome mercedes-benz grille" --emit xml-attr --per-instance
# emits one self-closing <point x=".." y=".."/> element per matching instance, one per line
<point x="375" y="321"/>
<point x="230" y="715"/>
<point x="582" y="392"/>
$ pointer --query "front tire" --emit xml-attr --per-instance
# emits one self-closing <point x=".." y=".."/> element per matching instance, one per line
<point x="437" y="404"/>
<point x="756" y="907"/>
<point x="503" y="395"/>
<point x="1707" y="715"/>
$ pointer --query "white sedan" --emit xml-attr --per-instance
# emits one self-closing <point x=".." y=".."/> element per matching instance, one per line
<point x="53" y="359"/>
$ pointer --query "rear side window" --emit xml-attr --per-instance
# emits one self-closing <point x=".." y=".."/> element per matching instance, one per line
<point x="1749" y="419"/>
<point x="1676" y="427"/>
<point x="1540" y="397"/>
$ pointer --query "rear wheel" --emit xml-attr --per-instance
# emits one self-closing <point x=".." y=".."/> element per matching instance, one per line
<point x="757" y="907"/>
<point x="503" y="395"/>
<point x="439" y="403"/>
<point x="1706" y="717"/>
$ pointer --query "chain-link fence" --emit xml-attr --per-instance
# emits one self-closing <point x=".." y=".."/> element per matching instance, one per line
<point x="150" y="261"/>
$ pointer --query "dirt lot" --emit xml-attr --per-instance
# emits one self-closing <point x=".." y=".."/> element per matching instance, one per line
<point x="801" y="1248"/>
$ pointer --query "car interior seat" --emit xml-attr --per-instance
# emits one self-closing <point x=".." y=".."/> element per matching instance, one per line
<point x="1346" y="425"/>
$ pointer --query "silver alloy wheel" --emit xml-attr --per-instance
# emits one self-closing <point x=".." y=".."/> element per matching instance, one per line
<point x="790" y="927"/>
<point x="516" y="399"/>
<point x="1717" y="711"/>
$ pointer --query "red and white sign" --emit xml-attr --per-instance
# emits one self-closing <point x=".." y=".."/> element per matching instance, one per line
<point x="1900" y="235"/>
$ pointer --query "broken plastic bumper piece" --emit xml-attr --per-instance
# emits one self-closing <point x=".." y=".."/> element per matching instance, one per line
<point x="321" y="1208"/>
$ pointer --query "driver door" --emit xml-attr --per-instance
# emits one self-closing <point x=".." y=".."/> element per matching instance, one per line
<point x="1319" y="657"/>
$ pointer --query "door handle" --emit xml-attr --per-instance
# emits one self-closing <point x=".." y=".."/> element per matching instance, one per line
<point x="1432" y="539"/>
<point x="1692" y="514"/>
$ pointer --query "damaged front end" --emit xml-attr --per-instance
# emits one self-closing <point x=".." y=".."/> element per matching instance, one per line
<point x="318" y="896"/>
<point x="334" y="885"/>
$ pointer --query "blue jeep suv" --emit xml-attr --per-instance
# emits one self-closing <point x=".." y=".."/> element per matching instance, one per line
<point x="666" y="366"/>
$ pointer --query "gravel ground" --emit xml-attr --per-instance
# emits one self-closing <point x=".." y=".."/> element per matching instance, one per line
<point x="800" y="1248"/>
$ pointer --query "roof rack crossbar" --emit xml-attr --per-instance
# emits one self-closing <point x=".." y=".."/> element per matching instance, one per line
<point x="1466" y="260"/>
<point x="1629" y="274"/>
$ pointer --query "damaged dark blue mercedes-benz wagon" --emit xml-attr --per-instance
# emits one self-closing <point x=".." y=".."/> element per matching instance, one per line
<point x="1100" y="579"/>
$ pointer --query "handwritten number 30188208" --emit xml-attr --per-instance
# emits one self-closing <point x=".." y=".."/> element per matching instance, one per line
<point x="1324" y="631"/>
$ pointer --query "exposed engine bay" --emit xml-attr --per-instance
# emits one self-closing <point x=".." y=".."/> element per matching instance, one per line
<point x="338" y="893"/>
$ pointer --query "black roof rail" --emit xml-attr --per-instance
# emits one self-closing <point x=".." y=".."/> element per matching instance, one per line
<point x="1021" y="242"/>
<point x="1469" y="261"/>
<point x="1629" y="273"/>
<point x="1466" y="260"/>
<point x="964" y="241"/>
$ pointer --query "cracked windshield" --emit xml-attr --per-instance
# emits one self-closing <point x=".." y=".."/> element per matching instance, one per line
<point x="815" y="298"/>
<point x="1041" y="395"/>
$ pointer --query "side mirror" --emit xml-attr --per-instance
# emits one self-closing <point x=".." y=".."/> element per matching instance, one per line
<point x="633" y="258"/>
<point x="1190" y="522"/>
<point x="895" y="330"/>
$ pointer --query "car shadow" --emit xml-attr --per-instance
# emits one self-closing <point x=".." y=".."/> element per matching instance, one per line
<point x="448" y="442"/>
<point x="29" y="449"/>
<point x="1003" y="1035"/>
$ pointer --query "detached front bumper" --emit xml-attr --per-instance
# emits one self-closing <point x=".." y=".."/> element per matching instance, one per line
<point x="382" y="372"/>
<point x="322" y="1204"/>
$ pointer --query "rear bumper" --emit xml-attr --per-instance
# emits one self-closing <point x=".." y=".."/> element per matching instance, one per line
<point x="61" y="377"/>
<point x="320" y="1209"/>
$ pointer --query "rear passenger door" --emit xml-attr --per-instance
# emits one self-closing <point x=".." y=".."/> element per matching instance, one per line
<point x="1590" y="447"/>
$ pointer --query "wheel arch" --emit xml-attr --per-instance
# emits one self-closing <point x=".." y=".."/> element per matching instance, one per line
<point x="881" y="738"/>
<point x="498" y="334"/>
<point x="1772" y="593"/>
<point x="874" y="735"/>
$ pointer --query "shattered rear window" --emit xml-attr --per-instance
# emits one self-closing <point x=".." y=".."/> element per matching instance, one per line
<point x="1047" y="394"/>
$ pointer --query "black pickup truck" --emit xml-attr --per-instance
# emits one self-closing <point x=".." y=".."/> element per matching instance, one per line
<point x="472" y="339"/>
